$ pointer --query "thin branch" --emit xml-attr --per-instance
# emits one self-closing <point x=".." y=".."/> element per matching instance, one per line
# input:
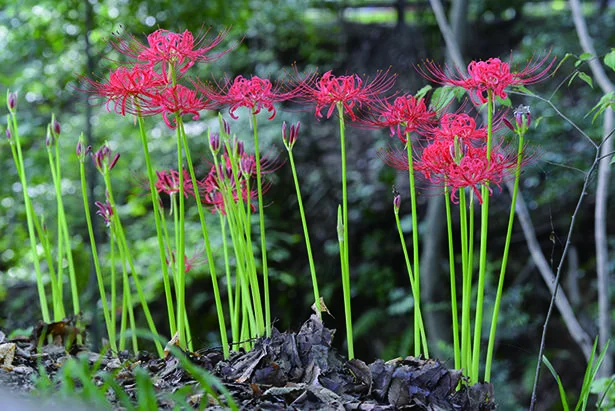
<point x="602" y="188"/>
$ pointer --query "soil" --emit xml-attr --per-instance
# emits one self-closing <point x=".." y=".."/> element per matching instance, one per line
<point x="288" y="371"/>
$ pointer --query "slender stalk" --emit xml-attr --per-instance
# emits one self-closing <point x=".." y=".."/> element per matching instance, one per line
<point x="483" y="250"/>
<point x="466" y="349"/>
<point x="210" y="258"/>
<point x="40" y="286"/>
<point x="180" y="252"/>
<point x="157" y="216"/>
<point x="306" y="234"/>
<point x="229" y="285"/>
<point x="125" y="254"/>
<point x="418" y="323"/>
<point x="97" y="269"/>
<point x="451" y="259"/>
<point x="345" y="260"/>
<point x="415" y="238"/>
<point x="345" y="282"/>
<point x="114" y="295"/>
<point x="498" y="296"/>
<point x="63" y="228"/>
<point x="127" y="302"/>
<point x="261" y="216"/>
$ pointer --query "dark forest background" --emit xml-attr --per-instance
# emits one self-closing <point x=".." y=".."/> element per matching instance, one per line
<point x="43" y="49"/>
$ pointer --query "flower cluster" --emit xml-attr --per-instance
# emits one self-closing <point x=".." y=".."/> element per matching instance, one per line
<point x="492" y="75"/>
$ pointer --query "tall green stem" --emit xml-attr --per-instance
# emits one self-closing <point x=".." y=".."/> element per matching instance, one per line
<point x="229" y="285"/>
<point x="157" y="216"/>
<point x="306" y="234"/>
<point x="180" y="252"/>
<point x="483" y="249"/>
<point x="345" y="282"/>
<point x="466" y="349"/>
<point x="345" y="261"/>
<point x="210" y="258"/>
<point x="415" y="238"/>
<point x="498" y="296"/>
<point x="99" y="277"/>
<point x="42" y="297"/>
<point x="261" y="216"/>
<point x="418" y="318"/>
<point x="451" y="259"/>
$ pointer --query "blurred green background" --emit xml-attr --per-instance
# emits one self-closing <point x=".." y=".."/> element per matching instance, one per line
<point x="43" y="50"/>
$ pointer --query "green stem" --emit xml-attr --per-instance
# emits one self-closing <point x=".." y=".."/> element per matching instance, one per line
<point x="345" y="261"/>
<point x="42" y="297"/>
<point x="306" y="234"/>
<point x="498" y="296"/>
<point x="467" y="287"/>
<point x="451" y="259"/>
<point x="157" y="215"/>
<point x="261" y="216"/>
<point x="229" y="285"/>
<point x="210" y="258"/>
<point x="180" y="252"/>
<point x="63" y="227"/>
<point x="114" y="295"/>
<point x="125" y="255"/>
<point x="415" y="238"/>
<point x="418" y="322"/>
<point x="97" y="269"/>
<point x="345" y="283"/>
<point x="483" y="249"/>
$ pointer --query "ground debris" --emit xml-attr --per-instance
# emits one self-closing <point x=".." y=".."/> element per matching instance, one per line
<point x="287" y="371"/>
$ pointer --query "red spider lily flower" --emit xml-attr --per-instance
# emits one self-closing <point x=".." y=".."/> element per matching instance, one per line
<point x="189" y="263"/>
<point x="460" y="126"/>
<point x="128" y="90"/>
<point x="405" y="115"/>
<point x="224" y="179"/>
<point x="351" y="91"/>
<point x="181" y="50"/>
<point x="105" y="211"/>
<point x="168" y="182"/>
<point x="492" y="74"/>
<point x="104" y="160"/>
<point x="178" y="99"/>
<point x="254" y="93"/>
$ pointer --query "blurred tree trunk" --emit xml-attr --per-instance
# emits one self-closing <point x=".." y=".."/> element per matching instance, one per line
<point x="602" y="189"/>
<point x="438" y="321"/>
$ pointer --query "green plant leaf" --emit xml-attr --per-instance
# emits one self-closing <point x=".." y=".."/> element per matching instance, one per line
<point x="422" y="92"/>
<point x="609" y="59"/>
<point x="562" y="391"/>
<point x="586" y="78"/>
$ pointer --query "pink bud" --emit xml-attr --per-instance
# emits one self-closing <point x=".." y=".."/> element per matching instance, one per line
<point x="8" y="134"/>
<point x="214" y="142"/>
<point x="396" y="203"/>
<point x="227" y="127"/>
<point x="294" y="133"/>
<point x="57" y="129"/>
<point x="284" y="136"/>
<point x="508" y="124"/>
<point x="114" y="161"/>
<point x="79" y="149"/>
<point x="12" y="101"/>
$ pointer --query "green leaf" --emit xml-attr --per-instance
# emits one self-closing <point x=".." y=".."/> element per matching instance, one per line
<point x="562" y="62"/>
<point x="562" y="391"/>
<point x="586" y="78"/>
<point x="524" y="90"/>
<point x="576" y="73"/>
<point x="609" y="59"/>
<point x="585" y="56"/>
<point x="504" y="101"/>
<point x="422" y="92"/>
<point x="606" y="101"/>
<point x="441" y="97"/>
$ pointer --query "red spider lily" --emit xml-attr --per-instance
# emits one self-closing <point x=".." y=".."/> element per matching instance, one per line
<point x="181" y="50"/>
<point x="460" y="126"/>
<point x="254" y="93"/>
<point x="405" y="115"/>
<point x="168" y="182"/>
<point x="105" y="211"/>
<point x="178" y="99"/>
<point x="128" y="90"/>
<point x="189" y="263"/>
<point x="224" y="179"/>
<point x="492" y="74"/>
<point x="351" y="91"/>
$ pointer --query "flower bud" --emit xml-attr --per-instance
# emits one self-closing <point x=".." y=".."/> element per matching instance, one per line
<point x="294" y="132"/>
<point x="396" y="203"/>
<point x="49" y="139"/>
<point x="227" y="127"/>
<point x="56" y="128"/>
<point x="284" y="136"/>
<point x="508" y="124"/>
<point x="214" y="143"/>
<point x="11" y="101"/>
<point x="340" y="225"/>
<point x="8" y="134"/>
